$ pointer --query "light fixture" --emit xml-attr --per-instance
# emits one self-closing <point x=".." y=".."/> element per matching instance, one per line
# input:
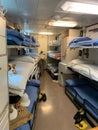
<point x="63" y="23"/>
<point x="80" y="7"/>
<point x="46" y="33"/>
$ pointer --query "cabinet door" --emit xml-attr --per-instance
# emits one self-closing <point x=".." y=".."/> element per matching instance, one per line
<point x="4" y="119"/>
<point x="2" y="45"/>
<point x="3" y="83"/>
<point x="2" y="26"/>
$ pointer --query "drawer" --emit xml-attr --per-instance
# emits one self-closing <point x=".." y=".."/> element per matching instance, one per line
<point x="3" y="83"/>
<point x="2" y="45"/>
<point x="2" y="26"/>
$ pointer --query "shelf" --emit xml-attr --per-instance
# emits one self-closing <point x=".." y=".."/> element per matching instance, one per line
<point x="84" y="47"/>
<point x="95" y="29"/>
<point x="13" y="46"/>
<point x="54" y="45"/>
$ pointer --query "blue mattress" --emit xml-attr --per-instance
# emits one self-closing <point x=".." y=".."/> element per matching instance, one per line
<point x="34" y="82"/>
<point x="89" y="94"/>
<point x="91" y="109"/>
<point x="76" y="82"/>
<point x="85" y="93"/>
<point x="71" y="91"/>
<point x="33" y="94"/>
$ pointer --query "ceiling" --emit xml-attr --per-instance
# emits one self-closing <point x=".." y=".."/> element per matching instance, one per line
<point x="33" y="15"/>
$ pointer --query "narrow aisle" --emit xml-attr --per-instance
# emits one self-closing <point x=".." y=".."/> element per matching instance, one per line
<point x="58" y="111"/>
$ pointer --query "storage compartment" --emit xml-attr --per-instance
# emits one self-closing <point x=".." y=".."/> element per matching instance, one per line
<point x="2" y="45"/>
<point x="3" y="82"/>
<point x="2" y="26"/>
<point x="4" y="120"/>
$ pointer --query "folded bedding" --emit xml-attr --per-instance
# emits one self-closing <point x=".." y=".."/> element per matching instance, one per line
<point x="26" y="43"/>
<point x="82" y="42"/>
<point x="23" y="71"/>
<point x="79" y="39"/>
<point x="14" y="33"/>
<point x="14" y="37"/>
<point x="14" y="40"/>
<point x="9" y="42"/>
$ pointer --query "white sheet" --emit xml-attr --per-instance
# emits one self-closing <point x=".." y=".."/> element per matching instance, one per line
<point x="16" y="92"/>
<point x="88" y="70"/>
<point x="24" y="70"/>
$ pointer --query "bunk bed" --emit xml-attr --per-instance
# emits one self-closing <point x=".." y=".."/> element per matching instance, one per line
<point x="32" y="89"/>
<point x="54" y="43"/>
<point x="20" y="83"/>
<point x="84" y="68"/>
<point x="26" y="67"/>
<point x="83" y="90"/>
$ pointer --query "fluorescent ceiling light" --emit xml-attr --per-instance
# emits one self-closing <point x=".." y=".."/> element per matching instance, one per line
<point x="46" y="33"/>
<point x="80" y="7"/>
<point x="63" y="23"/>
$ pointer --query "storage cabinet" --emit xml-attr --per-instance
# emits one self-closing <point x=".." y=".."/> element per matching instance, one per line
<point x="2" y="26"/>
<point x="3" y="82"/>
<point x="2" y="45"/>
<point x="4" y="100"/>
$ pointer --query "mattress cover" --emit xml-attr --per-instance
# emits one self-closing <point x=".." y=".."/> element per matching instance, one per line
<point x="87" y="69"/>
<point x="23" y="71"/>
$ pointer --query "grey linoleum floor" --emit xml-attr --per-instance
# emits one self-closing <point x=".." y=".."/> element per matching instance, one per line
<point x="58" y="111"/>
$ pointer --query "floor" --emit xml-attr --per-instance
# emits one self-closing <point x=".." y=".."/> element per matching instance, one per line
<point x="58" y="111"/>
